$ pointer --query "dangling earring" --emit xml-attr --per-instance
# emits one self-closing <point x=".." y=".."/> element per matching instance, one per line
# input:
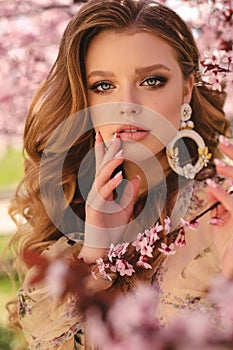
<point x="189" y="170"/>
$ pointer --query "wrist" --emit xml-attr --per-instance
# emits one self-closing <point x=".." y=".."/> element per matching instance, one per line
<point x="90" y="254"/>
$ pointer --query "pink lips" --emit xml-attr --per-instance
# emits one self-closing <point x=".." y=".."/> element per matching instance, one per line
<point x="131" y="132"/>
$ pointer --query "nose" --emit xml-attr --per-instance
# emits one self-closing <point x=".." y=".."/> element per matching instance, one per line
<point x="129" y="109"/>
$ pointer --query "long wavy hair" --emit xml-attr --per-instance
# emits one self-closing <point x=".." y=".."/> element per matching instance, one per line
<point x="64" y="93"/>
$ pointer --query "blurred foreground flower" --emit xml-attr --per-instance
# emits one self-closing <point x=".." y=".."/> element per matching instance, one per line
<point x="129" y="321"/>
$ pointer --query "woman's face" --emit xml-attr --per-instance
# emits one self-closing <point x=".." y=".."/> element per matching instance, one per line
<point x="130" y="76"/>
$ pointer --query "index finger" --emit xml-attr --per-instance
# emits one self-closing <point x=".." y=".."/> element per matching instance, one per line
<point x="99" y="149"/>
<point x="220" y="194"/>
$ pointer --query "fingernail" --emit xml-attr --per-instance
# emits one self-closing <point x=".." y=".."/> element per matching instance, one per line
<point x="97" y="134"/>
<point x="224" y="140"/>
<point x="211" y="183"/>
<point x="219" y="162"/>
<point x="114" y="136"/>
<point x="119" y="154"/>
<point x="118" y="175"/>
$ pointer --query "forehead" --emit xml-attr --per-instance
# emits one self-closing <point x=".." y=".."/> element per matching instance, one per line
<point x="109" y="48"/>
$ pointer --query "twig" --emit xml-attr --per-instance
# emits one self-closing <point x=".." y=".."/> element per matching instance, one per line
<point x="213" y="206"/>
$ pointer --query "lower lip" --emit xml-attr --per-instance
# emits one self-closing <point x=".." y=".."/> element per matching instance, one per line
<point x="133" y="136"/>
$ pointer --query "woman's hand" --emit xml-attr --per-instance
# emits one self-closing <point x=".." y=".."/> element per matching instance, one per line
<point x="106" y="219"/>
<point x="222" y="216"/>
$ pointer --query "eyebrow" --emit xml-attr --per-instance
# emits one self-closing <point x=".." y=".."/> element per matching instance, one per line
<point x="141" y="70"/>
<point x="145" y="70"/>
<point x="101" y="73"/>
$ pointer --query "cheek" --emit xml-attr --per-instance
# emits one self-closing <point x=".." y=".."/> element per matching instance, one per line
<point x="103" y="114"/>
<point x="92" y="99"/>
<point x="102" y="117"/>
<point x="105" y="132"/>
<point x="169" y="107"/>
<point x="173" y="115"/>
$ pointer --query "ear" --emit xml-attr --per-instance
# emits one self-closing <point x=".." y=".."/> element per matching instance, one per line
<point x="188" y="89"/>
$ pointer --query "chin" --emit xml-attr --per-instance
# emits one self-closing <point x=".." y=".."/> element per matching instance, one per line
<point x="136" y="152"/>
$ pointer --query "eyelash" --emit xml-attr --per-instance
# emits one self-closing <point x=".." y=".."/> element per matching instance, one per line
<point x="160" y="81"/>
<point x="98" y="84"/>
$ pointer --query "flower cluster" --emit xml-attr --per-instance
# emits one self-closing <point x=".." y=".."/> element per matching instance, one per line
<point x="215" y="40"/>
<point x="131" y="323"/>
<point x="24" y="65"/>
<point x="218" y="67"/>
<point x="123" y="258"/>
<point x="116" y="261"/>
<point x="212" y="24"/>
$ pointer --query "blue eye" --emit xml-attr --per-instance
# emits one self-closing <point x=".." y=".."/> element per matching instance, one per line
<point x="102" y="86"/>
<point x="154" y="82"/>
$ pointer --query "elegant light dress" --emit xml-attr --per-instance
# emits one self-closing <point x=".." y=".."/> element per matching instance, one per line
<point x="182" y="280"/>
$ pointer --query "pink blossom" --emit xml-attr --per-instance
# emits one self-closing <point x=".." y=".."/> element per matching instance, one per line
<point x="102" y="266"/>
<point x="221" y="293"/>
<point x="152" y="233"/>
<point x="145" y="248"/>
<point x="113" y="268"/>
<point x="146" y="240"/>
<point x="124" y="268"/>
<point x="167" y="224"/>
<point x="55" y="277"/>
<point x="117" y="251"/>
<point x="21" y="25"/>
<point x="136" y="310"/>
<point x="215" y="221"/>
<point x="227" y="59"/>
<point x="157" y="228"/>
<point x="214" y="79"/>
<point x="216" y="85"/>
<point x="134" y="314"/>
<point x="112" y="252"/>
<point x="167" y="250"/>
<point x="137" y="242"/>
<point x="147" y="233"/>
<point x="96" y="329"/>
<point x="143" y="262"/>
<point x="212" y="57"/>
<point x="190" y="224"/>
<point x="180" y="240"/>
<point x="192" y="327"/>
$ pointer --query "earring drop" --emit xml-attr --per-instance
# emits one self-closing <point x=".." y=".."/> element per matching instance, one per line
<point x="186" y="112"/>
<point x="186" y="131"/>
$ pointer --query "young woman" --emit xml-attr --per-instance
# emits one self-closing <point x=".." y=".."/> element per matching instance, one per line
<point x="118" y="137"/>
